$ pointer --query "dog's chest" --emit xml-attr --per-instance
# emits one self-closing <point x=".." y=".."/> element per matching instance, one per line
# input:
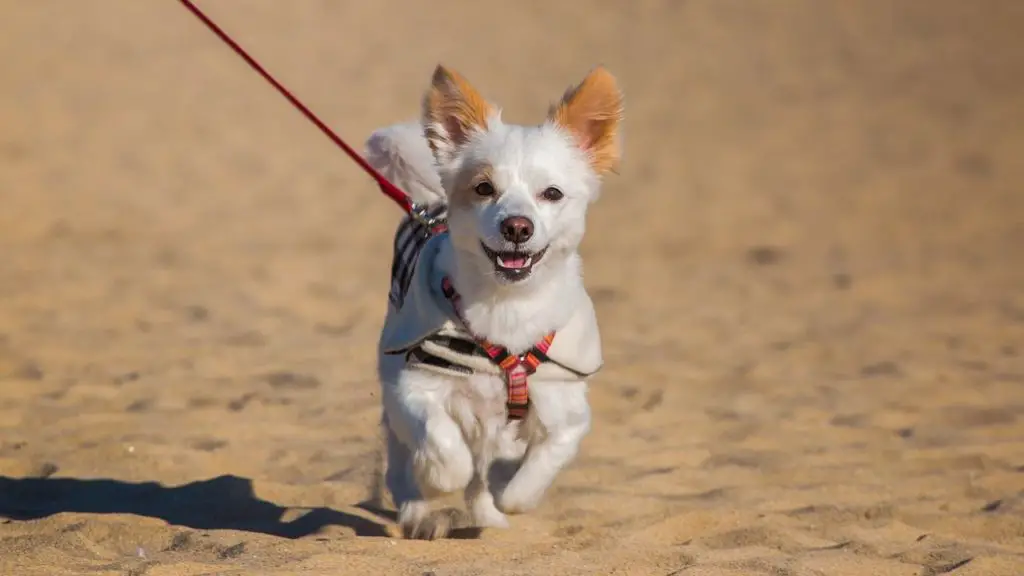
<point x="478" y="396"/>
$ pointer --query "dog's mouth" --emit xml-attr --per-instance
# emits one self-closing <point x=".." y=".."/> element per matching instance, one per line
<point x="513" y="265"/>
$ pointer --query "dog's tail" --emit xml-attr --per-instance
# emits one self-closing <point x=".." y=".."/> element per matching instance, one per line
<point x="401" y="154"/>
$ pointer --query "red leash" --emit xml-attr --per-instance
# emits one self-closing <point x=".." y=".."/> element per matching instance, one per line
<point x="389" y="189"/>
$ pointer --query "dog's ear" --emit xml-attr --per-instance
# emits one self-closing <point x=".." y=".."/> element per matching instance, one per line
<point x="452" y="111"/>
<point x="592" y="111"/>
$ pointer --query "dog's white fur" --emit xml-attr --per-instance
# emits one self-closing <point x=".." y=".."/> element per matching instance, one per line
<point x="445" y="433"/>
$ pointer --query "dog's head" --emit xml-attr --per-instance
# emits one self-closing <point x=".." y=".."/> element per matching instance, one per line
<point x="518" y="195"/>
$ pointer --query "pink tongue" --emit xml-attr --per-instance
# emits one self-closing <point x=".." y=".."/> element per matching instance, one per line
<point x="513" y="262"/>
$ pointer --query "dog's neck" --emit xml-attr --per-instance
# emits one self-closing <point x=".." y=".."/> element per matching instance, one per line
<point x="514" y="316"/>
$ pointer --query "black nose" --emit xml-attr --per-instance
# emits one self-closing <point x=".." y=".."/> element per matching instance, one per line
<point x="517" y="229"/>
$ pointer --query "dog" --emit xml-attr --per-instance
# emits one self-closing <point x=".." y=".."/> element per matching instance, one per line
<point x="490" y="336"/>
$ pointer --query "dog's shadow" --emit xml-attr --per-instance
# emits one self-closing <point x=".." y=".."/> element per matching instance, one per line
<point x="224" y="502"/>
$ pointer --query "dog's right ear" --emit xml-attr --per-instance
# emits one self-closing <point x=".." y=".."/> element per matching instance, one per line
<point x="452" y="111"/>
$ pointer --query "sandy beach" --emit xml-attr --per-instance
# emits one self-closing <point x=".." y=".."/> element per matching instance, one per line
<point x="809" y="275"/>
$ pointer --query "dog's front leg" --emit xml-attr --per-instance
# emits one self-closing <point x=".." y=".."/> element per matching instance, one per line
<point x="561" y="413"/>
<point x="496" y="439"/>
<point x="428" y="452"/>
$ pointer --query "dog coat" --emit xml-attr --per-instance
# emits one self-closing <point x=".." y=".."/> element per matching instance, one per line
<point x="424" y="325"/>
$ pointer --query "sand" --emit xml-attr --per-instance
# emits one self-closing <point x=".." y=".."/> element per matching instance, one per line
<point x="809" y="274"/>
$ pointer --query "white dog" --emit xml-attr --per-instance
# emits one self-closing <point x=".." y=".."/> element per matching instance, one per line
<point x="490" y="335"/>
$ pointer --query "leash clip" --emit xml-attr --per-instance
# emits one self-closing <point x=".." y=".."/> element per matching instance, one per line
<point x="420" y="214"/>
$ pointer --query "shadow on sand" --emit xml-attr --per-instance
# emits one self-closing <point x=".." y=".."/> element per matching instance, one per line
<point x="221" y="503"/>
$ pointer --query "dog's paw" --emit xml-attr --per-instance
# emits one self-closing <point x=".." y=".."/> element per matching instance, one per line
<point x="433" y="525"/>
<point x="485" y="515"/>
<point x="494" y="519"/>
<point x="518" y="498"/>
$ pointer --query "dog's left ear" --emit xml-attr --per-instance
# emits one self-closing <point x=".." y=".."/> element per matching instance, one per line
<point x="452" y="111"/>
<point x="592" y="111"/>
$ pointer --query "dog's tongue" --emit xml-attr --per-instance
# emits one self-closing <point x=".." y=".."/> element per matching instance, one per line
<point x="515" y="262"/>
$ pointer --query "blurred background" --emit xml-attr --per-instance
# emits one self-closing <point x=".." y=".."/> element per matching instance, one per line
<point x="809" y="277"/>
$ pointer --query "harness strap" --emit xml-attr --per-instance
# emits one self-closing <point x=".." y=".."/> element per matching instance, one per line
<point x="517" y="369"/>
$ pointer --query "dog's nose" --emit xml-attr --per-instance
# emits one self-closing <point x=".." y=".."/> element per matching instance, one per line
<point x="517" y="229"/>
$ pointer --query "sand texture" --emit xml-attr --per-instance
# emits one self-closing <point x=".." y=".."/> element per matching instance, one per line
<point x="809" y="276"/>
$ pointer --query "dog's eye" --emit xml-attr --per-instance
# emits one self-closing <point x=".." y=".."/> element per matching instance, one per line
<point x="552" y="194"/>
<point x="484" y="189"/>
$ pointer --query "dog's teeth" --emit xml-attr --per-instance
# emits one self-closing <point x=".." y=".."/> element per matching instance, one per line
<point x="528" y="261"/>
<point x="499" y="261"/>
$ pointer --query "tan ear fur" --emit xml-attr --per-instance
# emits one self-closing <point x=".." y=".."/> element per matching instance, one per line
<point x="452" y="110"/>
<point x="592" y="111"/>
